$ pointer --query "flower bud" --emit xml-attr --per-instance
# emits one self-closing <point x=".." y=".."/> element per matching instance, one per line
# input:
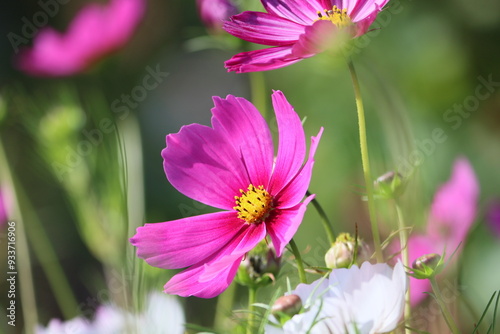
<point x="287" y="305"/>
<point x="345" y="252"/>
<point x="427" y="266"/>
<point x="259" y="267"/>
<point x="389" y="185"/>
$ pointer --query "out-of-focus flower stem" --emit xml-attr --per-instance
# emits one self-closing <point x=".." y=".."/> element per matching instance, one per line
<point x="224" y="306"/>
<point x="27" y="290"/>
<point x="403" y="240"/>
<point x="327" y="225"/>
<point x="365" y="161"/>
<point x="252" y="297"/>
<point x="298" y="260"/>
<point x="258" y="91"/>
<point x="50" y="264"/>
<point x="446" y="313"/>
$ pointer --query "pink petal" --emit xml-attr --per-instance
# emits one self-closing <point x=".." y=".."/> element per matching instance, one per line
<point x="249" y="133"/>
<point x="187" y="283"/>
<point x="363" y="25"/>
<point x="263" y="28"/>
<point x="202" y="164"/>
<point x="208" y="279"/>
<point x="364" y="8"/>
<point x="317" y="38"/>
<point x="300" y="11"/>
<point x="261" y="60"/>
<point x="283" y="223"/>
<point x="296" y="189"/>
<point x="292" y="145"/>
<point x="454" y="207"/>
<point x="185" y="242"/>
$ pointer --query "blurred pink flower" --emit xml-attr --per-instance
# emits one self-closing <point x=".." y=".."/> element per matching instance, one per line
<point x="493" y="217"/>
<point x="96" y="31"/>
<point x="5" y="205"/>
<point x="452" y="213"/>
<point x="213" y="13"/>
<point x="297" y="29"/>
<point x="230" y="166"/>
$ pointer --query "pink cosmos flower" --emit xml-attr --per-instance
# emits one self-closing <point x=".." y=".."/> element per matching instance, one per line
<point x="213" y="13"/>
<point x="230" y="166"/>
<point x="96" y="31"/>
<point x="297" y="29"/>
<point x="452" y="213"/>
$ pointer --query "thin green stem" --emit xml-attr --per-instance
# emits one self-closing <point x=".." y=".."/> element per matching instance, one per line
<point x="324" y="219"/>
<point x="446" y="313"/>
<point x="403" y="240"/>
<point x="224" y="306"/>
<point x="252" y="297"/>
<point x="258" y="91"/>
<point x="298" y="259"/>
<point x="50" y="264"/>
<point x="366" y="161"/>
<point x="25" y="275"/>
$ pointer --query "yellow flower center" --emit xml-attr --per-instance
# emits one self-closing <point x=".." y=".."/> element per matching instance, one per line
<point x="253" y="205"/>
<point x="337" y="16"/>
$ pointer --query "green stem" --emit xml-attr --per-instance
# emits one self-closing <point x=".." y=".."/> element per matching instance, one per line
<point x="258" y="91"/>
<point x="252" y="297"/>
<point x="50" y="264"/>
<point x="324" y="219"/>
<point x="298" y="259"/>
<point x="366" y="161"/>
<point x="446" y="313"/>
<point x="25" y="275"/>
<point x="403" y="240"/>
<point x="224" y="305"/>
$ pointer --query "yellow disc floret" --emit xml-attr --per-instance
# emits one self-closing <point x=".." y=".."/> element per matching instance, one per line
<point x="253" y="205"/>
<point x="337" y="16"/>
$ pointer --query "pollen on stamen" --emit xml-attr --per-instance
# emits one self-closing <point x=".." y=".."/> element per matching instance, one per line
<point x="256" y="202"/>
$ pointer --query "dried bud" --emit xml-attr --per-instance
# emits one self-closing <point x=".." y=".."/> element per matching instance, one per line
<point x="260" y="266"/>
<point x="389" y="185"/>
<point x="290" y="305"/>
<point x="427" y="266"/>
<point x="345" y="252"/>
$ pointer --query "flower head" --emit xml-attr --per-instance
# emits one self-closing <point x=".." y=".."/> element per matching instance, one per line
<point x="163" y="314"/>
<point x="96" y="31"/>
<point x="452" y="213"/>
<point x="297" y="29"/>
<point x="230" y="166"/>
<point x="213" y="13"/>
<point x="366" y="300"/>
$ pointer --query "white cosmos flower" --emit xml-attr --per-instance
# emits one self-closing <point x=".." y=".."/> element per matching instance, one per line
<point x="365" y="300"/>
<point x="162" y="315"/>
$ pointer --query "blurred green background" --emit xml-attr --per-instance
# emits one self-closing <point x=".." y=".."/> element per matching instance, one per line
<point x="422" y="60"/>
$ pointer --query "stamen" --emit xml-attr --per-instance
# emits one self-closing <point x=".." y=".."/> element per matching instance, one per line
<point x="337" y="16"/>
<point x="255" y="202"/>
